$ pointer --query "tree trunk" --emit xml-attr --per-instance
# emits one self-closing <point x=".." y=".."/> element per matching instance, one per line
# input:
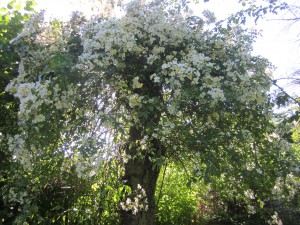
<point x="140" y="171"/>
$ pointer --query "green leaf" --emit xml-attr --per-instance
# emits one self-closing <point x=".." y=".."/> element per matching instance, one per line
<point x="3" y="10"/>
<point x="11" y="4"/>
<point x="30" y="4"/>
<point x="6" y="17"/>
<point x="18" y="6"/>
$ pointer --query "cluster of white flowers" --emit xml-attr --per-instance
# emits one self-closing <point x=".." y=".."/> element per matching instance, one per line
<point x="34" y="98"/>
<point x="17" y="196"/>
<point x="290" y="184"/>
<point x="31" y="96"/>
<point x="165" y="130"/>
<point x="17" y="146"/>
<point x="216" y="93"/>
<point x="42" y="97"/>
<point x="251" y="209"/>
<point x="144" y="142"/>
<point x="250" y="166"/>
<point x="135" y="101"/>
<point x="249" y="194"/>
<point x="137" y="202"/>
<point x="275" y="219"/>
<point x="136" y="84"/>
<point x="278" y="188"/>
<point x="30" y="28"/>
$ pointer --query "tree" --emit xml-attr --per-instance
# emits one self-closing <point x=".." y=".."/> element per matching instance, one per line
<point x="133" y="91"/>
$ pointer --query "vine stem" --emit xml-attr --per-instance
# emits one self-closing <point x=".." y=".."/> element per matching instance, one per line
<point x="162" y="184"/>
